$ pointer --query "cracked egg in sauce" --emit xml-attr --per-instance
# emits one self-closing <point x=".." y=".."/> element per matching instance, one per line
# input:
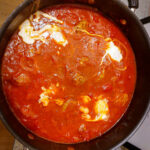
<point x="68" y="74"/>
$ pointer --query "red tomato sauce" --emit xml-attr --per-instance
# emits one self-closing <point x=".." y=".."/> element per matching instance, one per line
<point x="70" y="78"/>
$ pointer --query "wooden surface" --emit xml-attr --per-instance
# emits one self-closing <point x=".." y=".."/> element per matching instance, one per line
<point x="6" y="139"/>
<point x="6" y="7"/>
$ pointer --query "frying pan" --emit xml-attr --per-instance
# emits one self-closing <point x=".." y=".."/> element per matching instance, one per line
<point x="140" y="103"/>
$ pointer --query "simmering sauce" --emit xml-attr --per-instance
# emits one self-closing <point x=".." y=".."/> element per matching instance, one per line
<point x="68" y="73"/>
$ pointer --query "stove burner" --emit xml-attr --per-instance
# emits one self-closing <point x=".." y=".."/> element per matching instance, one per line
<point x="145" y="20"/>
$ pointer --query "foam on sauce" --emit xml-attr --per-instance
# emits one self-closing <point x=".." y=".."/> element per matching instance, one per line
<point x="101" y="111"/>
<point x="114" y="52"/>
<point x="38" y="14"/>
<point x="29" y="35"/>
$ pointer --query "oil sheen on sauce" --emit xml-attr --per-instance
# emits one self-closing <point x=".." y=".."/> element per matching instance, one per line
<point x="68" y="74"/>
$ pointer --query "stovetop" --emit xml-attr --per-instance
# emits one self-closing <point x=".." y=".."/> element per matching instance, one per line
<point x="141" y="138"/>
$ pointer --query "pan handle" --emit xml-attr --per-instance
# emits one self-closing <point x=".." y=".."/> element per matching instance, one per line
<point x="133" y="4"/>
